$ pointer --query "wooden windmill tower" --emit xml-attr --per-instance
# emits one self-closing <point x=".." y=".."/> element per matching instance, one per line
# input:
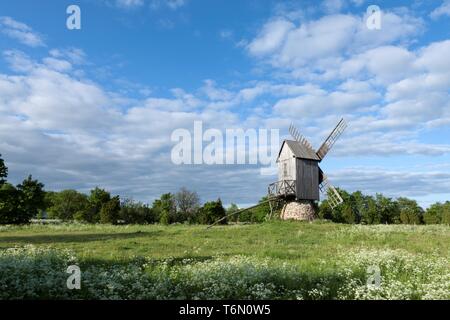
<point x="300" y="179"/>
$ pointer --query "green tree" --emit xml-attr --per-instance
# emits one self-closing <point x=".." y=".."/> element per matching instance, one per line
<point x="132" y="212"/>
<point x="9" y="204"/>
<point x="434" y="214"/>
<point x="187" y="205"/>
<point x="212" y="211"/>
<point x="258" y="214"/>
<point x="369" y="213"/>
<point x="32" y="197"/>
<point x="446" y="213"/>
<point x="388" y="209"/>
<point x="230" y="210"/>
<point x="344" y="213"/>
<point x="66" y="204"/>
<point x="349" y="214"/>
<point x="325" y="211"/>
<point x="164" y="218"/>
<point x="3" y="171"/>
<point x="410" y="211"/>
<point x="97" y="198"/>
<point x="19" y="204"/>
<point x="109" y="212"/>
<point x="165" y="209"/>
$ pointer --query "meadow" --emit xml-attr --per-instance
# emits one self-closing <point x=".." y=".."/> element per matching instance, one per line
<point x="272" y="260"/>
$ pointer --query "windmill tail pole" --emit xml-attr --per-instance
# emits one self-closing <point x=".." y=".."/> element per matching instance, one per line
<point x="239" y="211"/>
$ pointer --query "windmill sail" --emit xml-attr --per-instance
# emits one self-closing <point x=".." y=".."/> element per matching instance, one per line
<point x="295" y="133"/>
<point x="332" y="138"/>
<point x="333" y="196"/>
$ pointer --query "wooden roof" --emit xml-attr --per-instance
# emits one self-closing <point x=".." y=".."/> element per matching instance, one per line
<point x="299" y="150"/>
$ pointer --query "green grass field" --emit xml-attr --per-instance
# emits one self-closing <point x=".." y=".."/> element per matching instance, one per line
<point x="302" y="257"/>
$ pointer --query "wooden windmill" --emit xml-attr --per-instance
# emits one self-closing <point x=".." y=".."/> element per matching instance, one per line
<point x="300" y="178"/>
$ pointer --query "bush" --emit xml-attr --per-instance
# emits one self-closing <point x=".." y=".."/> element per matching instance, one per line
<point x="212" y="211"/>
<point x="433" y="214"/>
<point x="230" y="210"/>
<point x="164" y="218"/>
<point x="32" y="197"/>
<point x="109" y="213"/>
<point x="19" y="205"/>
<point x="136" y="213"/>
<point x="65" y="204"/>
<point x="9" y="205"/>
<point x="410" y="212"/>
<point x="255" y="215"/>
<point x="165" y="209"/>
<point x="345" y="213"/>
<point x="88" y="214"/>
<point x="438" y="213"/>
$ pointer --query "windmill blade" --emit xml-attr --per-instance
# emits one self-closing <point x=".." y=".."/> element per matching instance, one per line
<point x="295" y="133"/>
<point x="331" y="140"/>
<point x="326" y="188"/>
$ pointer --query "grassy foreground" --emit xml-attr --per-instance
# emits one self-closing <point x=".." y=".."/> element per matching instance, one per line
<point x="287" y="260"/>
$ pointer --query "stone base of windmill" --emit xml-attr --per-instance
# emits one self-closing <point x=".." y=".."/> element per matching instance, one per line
<point x="298" y="210"/>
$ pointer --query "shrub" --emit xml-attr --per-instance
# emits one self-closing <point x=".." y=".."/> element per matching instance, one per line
<point x="65" y="204"/>
<point x="136" y="213"/>
<point x="446" y="213"/>
<point x="433" y="215"/>
<point x="88" y="214"/>
<point x="165" y="209"/>
<point x="32" y="197"/>
<point x="164" y="218"/>
<point x="230" y="210"/>
<point x="19" y="205"/>
<point x="109" y="213"/>
<point x="97" y="198"/>
<point x="255" y="215"/>
<point x="9" y="205"/>
<point x="212" y="211"/>
<point x="410" y="212"/>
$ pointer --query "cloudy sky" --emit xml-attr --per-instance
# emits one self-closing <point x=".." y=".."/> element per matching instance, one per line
<point x="97" y="106"/>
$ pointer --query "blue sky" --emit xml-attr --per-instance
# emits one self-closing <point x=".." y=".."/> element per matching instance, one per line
<point x="97" y="106"/>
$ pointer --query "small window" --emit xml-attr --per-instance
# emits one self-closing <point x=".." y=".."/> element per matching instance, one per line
<point x="285" y="173"/>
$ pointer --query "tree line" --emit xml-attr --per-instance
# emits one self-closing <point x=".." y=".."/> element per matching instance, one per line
<point x="365" y="209"/>
<point x="19" y="204"/>
<point x="100" y="207"/>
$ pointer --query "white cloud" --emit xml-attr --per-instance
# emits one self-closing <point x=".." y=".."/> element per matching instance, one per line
<point x="226" y="34"/>
<point x="129" y="3"/>
<point x="57" y="64"/>
<point x="358" y="2"/>
<point x="175" y="4"/>
<point x="386" y="63"/>
<point x="332" y="6"/>
<point x="21" y="32"/>
<point x="321" y="43"/>
<point x="271" y="37"/>
<point x="74" y="55"/>
<point x="434" y="57"/>
<point x="309" y="105"/>
<point x="442" y="10"/>
<point x="171" y="4"/>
